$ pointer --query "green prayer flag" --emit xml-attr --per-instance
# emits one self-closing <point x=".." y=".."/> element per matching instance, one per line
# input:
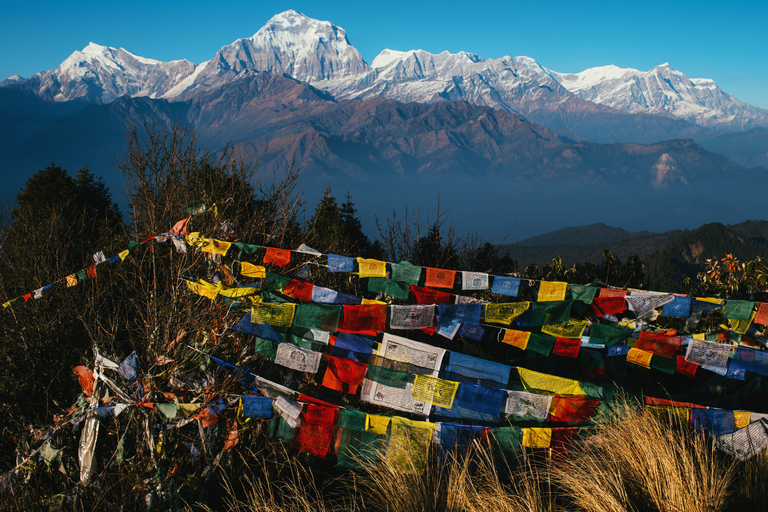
<point x="388" y="377"/>
<point x="276" y="282"/>
<point x="352" y="420"/>
<point x="82" y="275"/>
<point x="608" y="335"/>
<point x="389" y="287"/>
<point x="266" y="348"/>
<point x="556" y="312"/>
<point x="360" y="449"/>
<point x="406" y="273"/>
<point x="738" y="309"/>
<point x="583" y="293"/>
<point x="541" y="344"/>
<point x="317" y="316"/>
<point x="193" y="208"/>
<point x="507" y="438"/>
<point x="280" y="429"/>
<point x="664" y="364"/>
<point x="248" y="249"/>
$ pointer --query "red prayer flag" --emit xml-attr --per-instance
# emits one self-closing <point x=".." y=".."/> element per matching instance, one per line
<point x="344" y="374"/>
<point x="659" y="344"/>
<point x="315" y="435"/>
<point x="762" y="314"/>
<point x="561" y="440"/>
<point x="279" y="257"/>
<point x="91" y="271"/>
<point x="567" y="347"/>
<point x="85" y="377"/>
<point x="428" y="296"/>
<point x="439" y="278"/>
<point x="180" y="228"/>
<point x="604" y="306"/>
<point x="686" y="368"/>
<point x="27" y="296"/>
<point x="299" y="290"/>
<point x="573" y="409"/>
<point x="610" y="292"/>
<point x="207" y="416"/>
<point x="367" y="319"/>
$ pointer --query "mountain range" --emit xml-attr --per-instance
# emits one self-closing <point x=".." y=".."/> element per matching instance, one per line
<point x="490" y="132"/>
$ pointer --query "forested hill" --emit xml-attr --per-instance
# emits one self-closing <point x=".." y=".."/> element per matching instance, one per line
<point x="668" y="257"/>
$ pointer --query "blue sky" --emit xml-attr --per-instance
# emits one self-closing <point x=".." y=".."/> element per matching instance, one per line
<point x="720" y="40"/>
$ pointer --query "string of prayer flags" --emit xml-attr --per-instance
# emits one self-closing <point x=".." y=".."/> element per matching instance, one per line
<point x="552" y="291"/>
<point x="474" y="281"/>
<point x="371" y="267"/>
<point x="505" y="313"/>
<point x="280" y="257"/>
<point x="337" y="263"/>
<point x="659" y="344"/>
<point x="542" y="383"/>
<point x="406" y="273"/>
<point x="439" y="278"/>
<point x="364" y="319"/>
<point x="509" y="286"/>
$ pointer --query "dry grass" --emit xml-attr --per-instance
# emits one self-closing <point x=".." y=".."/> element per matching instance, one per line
<point x="646" y="463"/>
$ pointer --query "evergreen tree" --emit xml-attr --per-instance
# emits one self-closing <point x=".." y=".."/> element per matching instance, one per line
<point x="354" y="237"/>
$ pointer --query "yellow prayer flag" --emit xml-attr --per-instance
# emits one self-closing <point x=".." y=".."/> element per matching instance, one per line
<point x="241" y="419"/>
<point x="238" y="291"/>
<point x="372" y="268"/>
<point x="188" y="410"/>
<point x="71" y="280"/>
<point x="408" y="445"/>
<point x="505" y="312"/>
<point x="194" y="239"/>
<point x="435" y="391"/>
<point x="572" y="329"/>
<point x="377" y="424"/>
<point x="205" y="288"/>
<point x="517" y="339"/>
<point x="683" y="414"/>
<point x="711" y="300"/>
<point x="372" y="301"/>
<point x="700" y="336"/>
<point x="741" y="326"/>
<point x="276" y="315"/>
<point x="741" y="418"/>
<point x="214" y="246"/>
<point x="251" y="270"/>
<point x="544" y="384"/>
<point x="6" y="304"/>
<point x="551" y="291"/>
<point x="124" y="254"/>
<point x="639" y="357"/>
<point x="537" y="437"/>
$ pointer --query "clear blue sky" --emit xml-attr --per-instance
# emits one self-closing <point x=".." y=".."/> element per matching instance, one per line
<point x="722" y="40"/>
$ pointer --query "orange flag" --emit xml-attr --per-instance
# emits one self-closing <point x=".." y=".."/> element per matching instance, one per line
<point x="279" y="257"/>
<point x="439" y="278"/>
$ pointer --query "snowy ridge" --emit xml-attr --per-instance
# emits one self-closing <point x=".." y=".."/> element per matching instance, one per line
<point x="662" y="91"/>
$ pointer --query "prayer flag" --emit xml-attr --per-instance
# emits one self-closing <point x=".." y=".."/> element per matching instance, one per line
<point x="566" y="347"/>
<point x="435" y="391"/>
<point x="678" y="307"/>
<point x="439" y="278"/>
<point x="571" y="329"/>
<point x="429" y="296"/>
<point x="504" y="313"/>
<point x="344" y="374"/>
<point x="474" y="281"/>
<point x="253" y="271"/>
<point x="583" y="293"/>
<point x="639" y="357"/>
<point x="338" y="263"/>
<point x="551" y="291"/>
<point x="412" y="316"/>
<point x="537" y="437"/>
<point x="509" y="286"/>
<point x="738" y="309"/>
<point x="280" y="257"/>
<point x="659" y="344"/>
<point x="542" y="383"/>
<point x="517" y="339"/>
<point x="276" y="315"/>
<point x="315" y="435"/>
<point x="364" y="319"/>
<point x="371" y="268"/>
<point x="406" y="273"/>
<point x="610" y="292"/>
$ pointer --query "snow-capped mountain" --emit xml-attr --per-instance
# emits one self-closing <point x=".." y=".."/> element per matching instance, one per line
<point x="290" y="44"/>
<point x="589" y="104"/>
<point x="663" y="91"/>
<point x="101" y="74"/>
